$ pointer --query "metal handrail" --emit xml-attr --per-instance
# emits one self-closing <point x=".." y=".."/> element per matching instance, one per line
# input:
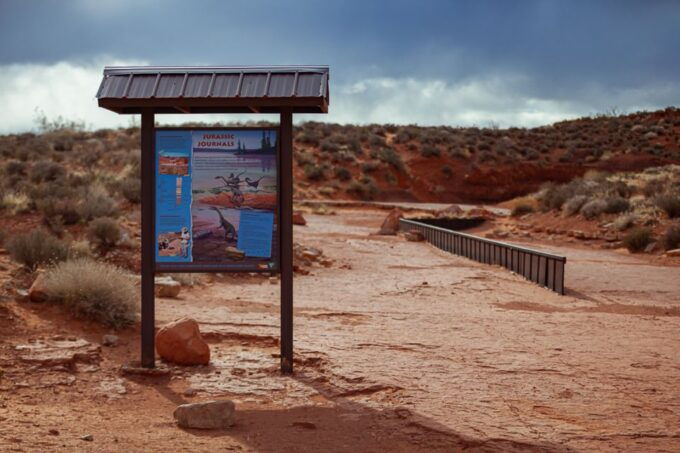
<point x="545" y="269"/>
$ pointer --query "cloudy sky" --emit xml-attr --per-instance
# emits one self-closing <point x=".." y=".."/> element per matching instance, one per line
<point x="509" y="63"/>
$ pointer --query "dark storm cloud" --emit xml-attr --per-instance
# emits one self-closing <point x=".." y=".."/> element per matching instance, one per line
<point x="588" y="54"/>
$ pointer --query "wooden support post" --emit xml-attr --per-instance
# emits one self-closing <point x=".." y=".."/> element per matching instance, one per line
<point x="286" y="232"/>
<point x="148" y="242"/>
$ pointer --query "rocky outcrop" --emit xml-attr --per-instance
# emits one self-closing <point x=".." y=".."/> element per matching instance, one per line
<point x="390" y="225"/>
<point x="59" y="351"/>
<point x="208" y="415"/>
<point x="180" y="342"/>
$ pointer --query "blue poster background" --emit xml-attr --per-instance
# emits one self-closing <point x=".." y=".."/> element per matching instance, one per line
<point x="173" y="198"/>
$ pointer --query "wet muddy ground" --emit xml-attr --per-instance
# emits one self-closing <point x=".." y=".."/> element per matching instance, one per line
<point x="399" y="347"/>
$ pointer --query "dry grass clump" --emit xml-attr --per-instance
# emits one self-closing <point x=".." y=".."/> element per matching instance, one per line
<point x="16" y="202"/>
<point x="671" y="237"/>
<point x="93" y="290"/>
<point x="36" y="248"/>
<point x="638" y="239"/>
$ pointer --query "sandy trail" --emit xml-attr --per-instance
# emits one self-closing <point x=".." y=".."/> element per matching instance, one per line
<point x="473" y="350"/>
<point x="399" y="347"/>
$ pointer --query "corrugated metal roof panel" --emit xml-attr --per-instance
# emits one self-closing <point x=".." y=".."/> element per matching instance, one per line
<point x="253" y="85"/>
<point x="197" y="85"/>
<point x="281" y="85"/>
<point x="169" y="86"/>
<point x="225" y="85"/>
<point x="309" y="85"/>
<point x="141" y="86"/>
<point x="113" y="87"/>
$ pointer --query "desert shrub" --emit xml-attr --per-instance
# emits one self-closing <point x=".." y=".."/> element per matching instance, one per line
<point x="430" y="151"/>
<point x="131" y="189"/>
<point x="309" y="137"/>
<point x="670" y="203"/>
<point x="97" y="203"/>
<point x="46" y="170"/>
<point x="671" y="237"/>
<point x="573" y="205"/>
<point x="616" y="205"/>
<point x="370" y="166"/>
<point x="654" y="187"/>
<point x="343" y="174"/>
<point x="391" y="179"/>
<point x="391" y="157"/>
<point x="304" y="157"/>
<point x="376" y="141"/>
<point x="623" y="222"/>
<point x="521" y="209"/>
<point x="16" y="202"/>
<point x="329" y="146"/>
<point x="365" y="188"/>
<point x="104" y="232"/>
<point x="593" y="208"/>
<point x="638" y="239"/>
<point x="15" y="167"/>
<point x="93" y="290"/>
<point x="35" y="248"/>
<point x="314" y="172"/>
<point x="63" y="208"/>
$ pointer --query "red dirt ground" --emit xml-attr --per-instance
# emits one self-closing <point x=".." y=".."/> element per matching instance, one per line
<point x="399" y="347"/>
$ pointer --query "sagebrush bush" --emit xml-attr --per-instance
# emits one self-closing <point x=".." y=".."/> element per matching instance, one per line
<point x="573" y="205"/>
<point x="46" y="170"/>
<point x="343" y="174"/>
<point x="623" y="222"/>
<point x="671" y="237"/>
<point x="97" y="203"/>
<point x="430" y="151"/>
<point x="593" y="209"/>
<point x="616" y="205"/>
<point x="93" y="290"/>
<point x="365" y="188"/>
<point x="637" y="239"/>
<point x="104" y="232"/>
<point x="314" y="172"/>
<point x="521" y="209"/>
<point x="670" y="203"/>
<point x="391" y="157"/>
<point x="35" y="248"/>
<point x="15" y="167"/>
<point x="131" y="189"/>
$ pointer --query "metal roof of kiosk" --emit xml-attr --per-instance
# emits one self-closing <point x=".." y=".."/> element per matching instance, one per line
<point x="215" y="89"/>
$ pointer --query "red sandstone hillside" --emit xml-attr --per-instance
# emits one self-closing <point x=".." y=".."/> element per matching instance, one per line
<point x="448" y="164"/>
<point x="407" y="163"/>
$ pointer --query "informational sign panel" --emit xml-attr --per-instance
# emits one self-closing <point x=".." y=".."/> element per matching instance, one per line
<point x="216" y="199"/>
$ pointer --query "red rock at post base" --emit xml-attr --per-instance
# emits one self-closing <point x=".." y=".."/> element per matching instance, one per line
<point x="390" y="225"/>
<point x="298" y="219"/>
<point x="180" y="342"/>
